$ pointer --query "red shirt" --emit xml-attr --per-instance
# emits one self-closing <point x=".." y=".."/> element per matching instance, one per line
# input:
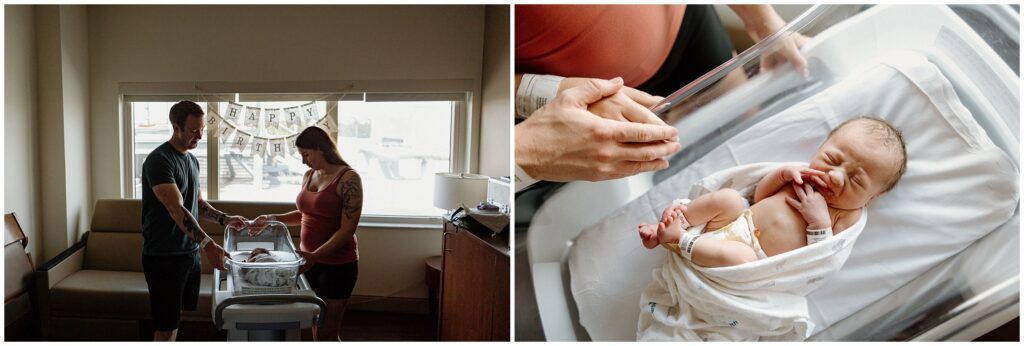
<point x="596" y="41"/>
<point x="321" y="217"/>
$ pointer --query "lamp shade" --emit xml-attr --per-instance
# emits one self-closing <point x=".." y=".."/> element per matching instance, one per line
<point x="453" y="190"/>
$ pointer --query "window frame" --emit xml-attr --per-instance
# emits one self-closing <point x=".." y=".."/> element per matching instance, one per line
<point x="458" y="90"/>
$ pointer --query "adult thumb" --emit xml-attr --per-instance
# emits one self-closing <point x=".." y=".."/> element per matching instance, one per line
<point x="592" y="91"/>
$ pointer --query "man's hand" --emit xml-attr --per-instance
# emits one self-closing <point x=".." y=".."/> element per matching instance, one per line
<point x="627" y="104"/>
<point x="235" y="221"/>
<point x="811" y="205"/>
<point x="215" y="254"/>
<point x="563" y="141"/>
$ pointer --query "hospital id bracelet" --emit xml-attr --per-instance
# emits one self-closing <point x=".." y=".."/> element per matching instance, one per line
<point x="818" y="235"/>
<point x="523" y="180"/>
<point x="534" y="92"/>
<point x="202" y="245"/>
<point x="686" y="244"/>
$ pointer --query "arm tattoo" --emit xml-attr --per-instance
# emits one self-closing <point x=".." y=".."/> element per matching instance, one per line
<point x="192" y="229"/>
<point x="205" y="209"/>
<point x="352" y="196"/>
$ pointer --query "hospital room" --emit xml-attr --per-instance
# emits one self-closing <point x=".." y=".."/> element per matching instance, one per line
<point x="767" y="172"/>
<point x="257" y="172"/>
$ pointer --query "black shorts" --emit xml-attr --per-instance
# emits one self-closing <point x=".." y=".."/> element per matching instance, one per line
<point x="333" y="281"/>
<point x="173" y="286"/>
<point x="701" y="45"/>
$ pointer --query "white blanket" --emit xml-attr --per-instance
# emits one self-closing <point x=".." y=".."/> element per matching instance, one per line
<point x="756" y="301"/>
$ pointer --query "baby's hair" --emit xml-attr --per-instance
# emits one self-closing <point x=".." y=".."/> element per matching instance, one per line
<point x="891" y="138"/>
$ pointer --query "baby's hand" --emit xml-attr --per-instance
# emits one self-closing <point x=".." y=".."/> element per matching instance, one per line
<point x="811" y="206"/>
<point x="801" y="175"/>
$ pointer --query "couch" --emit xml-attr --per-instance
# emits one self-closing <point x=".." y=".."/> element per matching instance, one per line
<point x="96" y="290"/>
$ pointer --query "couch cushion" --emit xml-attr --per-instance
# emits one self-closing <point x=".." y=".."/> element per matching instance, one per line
<point x="115" y="294"/>
<point x="114" y="251"/>
<point x="117" y="215"/>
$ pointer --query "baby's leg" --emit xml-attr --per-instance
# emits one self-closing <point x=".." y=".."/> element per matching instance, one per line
<point x="717" y="209"/>
<point x="710" y="252"/>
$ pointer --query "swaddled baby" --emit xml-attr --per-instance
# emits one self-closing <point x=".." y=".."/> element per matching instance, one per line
<point x="794" y="206"/>
<point x="275" y="277"/>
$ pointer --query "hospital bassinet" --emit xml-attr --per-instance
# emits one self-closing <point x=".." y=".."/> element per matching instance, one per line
<point x="968" y="294"/>
<point x="275" y="239"/>
<point x="252" y="310"/>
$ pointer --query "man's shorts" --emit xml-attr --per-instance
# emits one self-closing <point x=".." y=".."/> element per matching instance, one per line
<point x="333" y="281"/>
<point x="173" y="286"/>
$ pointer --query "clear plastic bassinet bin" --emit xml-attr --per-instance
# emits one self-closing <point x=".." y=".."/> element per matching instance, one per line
<point x="275" y="271"/>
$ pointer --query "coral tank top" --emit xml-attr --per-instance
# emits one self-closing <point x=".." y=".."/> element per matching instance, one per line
<point x="596" y="41"/>
<point x="321" y="217"/>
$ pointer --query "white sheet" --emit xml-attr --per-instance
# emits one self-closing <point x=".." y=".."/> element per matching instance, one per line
<point x="957" y="188"/>
<point x="764" y="300"/>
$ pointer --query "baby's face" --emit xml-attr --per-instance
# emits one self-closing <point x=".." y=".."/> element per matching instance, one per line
<point x="859" y="168"/>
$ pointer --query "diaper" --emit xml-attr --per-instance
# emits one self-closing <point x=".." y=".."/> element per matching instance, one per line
<point x="742" y="230"/>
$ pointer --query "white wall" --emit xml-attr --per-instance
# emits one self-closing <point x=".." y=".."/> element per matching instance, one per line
<point x="62" y="100"/>
<point x="283" y="43"/>
<point x="21" y="163"/>
<point x="496" y="124"/>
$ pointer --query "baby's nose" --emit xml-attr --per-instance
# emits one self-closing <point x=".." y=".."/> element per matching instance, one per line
<point x="838" y="178"/>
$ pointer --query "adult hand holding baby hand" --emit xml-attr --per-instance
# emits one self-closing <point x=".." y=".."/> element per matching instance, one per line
<point x="627" y="104"/>
<point x="811" y="205"/>
<point x="563" y="141"/>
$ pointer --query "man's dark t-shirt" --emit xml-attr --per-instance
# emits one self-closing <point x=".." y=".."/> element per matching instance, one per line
<point x="160" y="234"/>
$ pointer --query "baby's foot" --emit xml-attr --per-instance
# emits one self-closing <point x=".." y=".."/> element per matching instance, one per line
<point x="671" y="228"/>
<point x="648" y="235"/>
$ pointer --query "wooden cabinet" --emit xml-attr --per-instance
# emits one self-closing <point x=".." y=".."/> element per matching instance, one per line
<point x="474" y="286"/>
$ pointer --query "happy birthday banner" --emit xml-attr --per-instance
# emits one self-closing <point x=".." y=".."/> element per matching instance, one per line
<point x="226" y="127"/>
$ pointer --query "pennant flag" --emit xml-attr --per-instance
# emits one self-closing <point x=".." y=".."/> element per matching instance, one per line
<point x="252" y="117"/>
<point x="309" y="112"/>
<point x="292" y="116"/>
<point x="213" y="124"/>
<point x="241" y="140"/>
<point x="328" y="125"/>
<point x="259" y="147"/>
<point x="277" y="147"/>
<point x="272" y="119"/>
<point x="234" y="112"/>
<point x="225" y="132"/>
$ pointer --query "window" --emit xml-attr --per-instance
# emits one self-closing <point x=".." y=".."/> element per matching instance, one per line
<point x="396" y="143"/>
<point x="152" y="127"/>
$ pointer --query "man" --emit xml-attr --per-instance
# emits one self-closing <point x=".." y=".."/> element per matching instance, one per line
<point x="172" y="238"/>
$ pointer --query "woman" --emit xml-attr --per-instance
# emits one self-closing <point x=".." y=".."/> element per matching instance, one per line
<point x="329" y="206"/>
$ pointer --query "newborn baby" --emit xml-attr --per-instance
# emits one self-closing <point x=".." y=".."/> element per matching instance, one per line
<point x="266" y="276"/>
<point x="794" y="206"/>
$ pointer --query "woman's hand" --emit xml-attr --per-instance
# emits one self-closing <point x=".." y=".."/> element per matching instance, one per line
<point x="811" y="206"/>
<point x="762" y="21"/>
<point x="311" y="259"/>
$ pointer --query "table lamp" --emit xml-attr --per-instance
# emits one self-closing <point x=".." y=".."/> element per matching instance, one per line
<point x="452" y="190"/>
